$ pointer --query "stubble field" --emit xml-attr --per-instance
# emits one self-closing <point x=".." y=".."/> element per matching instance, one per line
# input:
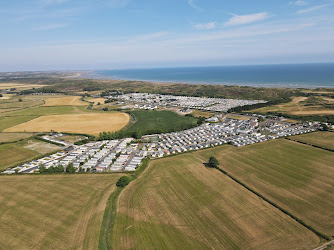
<point x="76" y="123"/>
<point x="297" y="177"/>
<point x="178" y="203"/>
<point x="320" y="138"/>
<point x="53" y="211"/>
<point x="65" y="101"/>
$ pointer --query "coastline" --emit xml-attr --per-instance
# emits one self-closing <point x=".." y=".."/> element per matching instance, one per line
<point x="94" y="75"/>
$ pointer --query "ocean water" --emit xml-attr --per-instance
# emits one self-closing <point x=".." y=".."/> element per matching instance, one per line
<point x="285" y="75"/>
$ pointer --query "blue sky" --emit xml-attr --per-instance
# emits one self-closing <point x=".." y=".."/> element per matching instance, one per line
<point x="108" y="34"/>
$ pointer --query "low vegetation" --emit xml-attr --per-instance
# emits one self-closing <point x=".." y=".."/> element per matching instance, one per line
<point x="297" y="177"/>
<point x="179" y="203"/>
<point x="321" y="139"/>
<point x="18" y="152"/>
<point x="53" y="211"/>
<point x="79" y="123"/>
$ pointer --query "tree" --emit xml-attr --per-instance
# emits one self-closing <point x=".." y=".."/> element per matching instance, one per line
<point x="1" y="95"/>
<point x="42" y="169"/>
<point x="59" y="169"/>
<point x="105" y="109"/>
<point x="20" y="100"/>
<point x="137" y="134"/>
<point x="123" y="181"/>
<point x="213" y="162"/>
<point x="70" y="168"/>
<point x="324" y="127"/>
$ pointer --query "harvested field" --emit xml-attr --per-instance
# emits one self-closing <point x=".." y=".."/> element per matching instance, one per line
<point x="76" y="123"/>
<point x="53" y="211"/>
<point x="178" y="203"/>
<point x="7" y="137"/>
<point x="9" y="121"/>
<point x="6" y="96"/>
<point x="65" y="101"/>
<point x="297" y="177"/>
<point x="320" y="138"/>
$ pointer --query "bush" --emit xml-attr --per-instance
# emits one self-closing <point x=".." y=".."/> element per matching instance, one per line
<point x="123" y="181"/>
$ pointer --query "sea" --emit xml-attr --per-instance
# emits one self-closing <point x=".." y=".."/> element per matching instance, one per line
<point x="319" y="75"/>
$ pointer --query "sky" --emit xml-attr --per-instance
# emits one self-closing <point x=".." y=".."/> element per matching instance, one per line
<point x="116" y="34"/>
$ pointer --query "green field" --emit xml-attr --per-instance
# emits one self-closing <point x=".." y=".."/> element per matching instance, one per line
<point x="53" y="211"/>
<point x="320" y="138"/>
<point x="160" y="121"/>
<point x="9" y="137"/>
<point x="297" y="177"/>
<point x="178" y="203"/>
<point x="15" y="153"/>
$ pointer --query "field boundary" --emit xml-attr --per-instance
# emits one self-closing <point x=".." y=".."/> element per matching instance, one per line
<point x="301" y="222"/>
<point x="290" y="139"/>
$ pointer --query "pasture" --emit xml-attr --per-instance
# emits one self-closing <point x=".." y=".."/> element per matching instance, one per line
<point x="297" y="177"/>
<point x="320" y="138"/>
<point x="53" y="211"/>
<point x="158" y="121"/>
<point x="15" y="153"/>
<point x="65" y="101"/>
<point x="89" y="123"/>
<point x="178" y="203"/>
<point x="7" y="137"/>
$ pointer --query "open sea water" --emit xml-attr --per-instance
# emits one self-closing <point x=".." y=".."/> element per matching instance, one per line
<point x="284" y="75"/>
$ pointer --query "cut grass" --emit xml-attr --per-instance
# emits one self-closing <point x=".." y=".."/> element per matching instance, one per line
<point x="53" y="211"/>
<point x="177" y="203"/>
<point x="15" y="153"/>
<point x="8" y="137"/>
<point x="297" y="177"/>
<point x="76" y="123"/>
<point x="65" y="101"/>
<point x="157" y="121"/>
<point x="320" y="138"/>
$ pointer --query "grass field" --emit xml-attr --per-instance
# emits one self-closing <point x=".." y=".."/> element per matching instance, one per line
<point x="155" y="121"/>
<point x="177" y="203"/>
<point x="7" y="137"/>
<point x="298" y="177"/>
<point x="198" y="113"/>
<point x="53" y="211"/>
<point x="76" y="123"/>
<point x="320" y="138"/>
<point x="20" y="86"/>
<point x="14" y="153"/>
<point x="65" y="101"/>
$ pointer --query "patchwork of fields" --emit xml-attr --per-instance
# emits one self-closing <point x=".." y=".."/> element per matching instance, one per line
<point x="53" y="211"/>
<point x="178" y="203"/>
<point x="297" y="177"/>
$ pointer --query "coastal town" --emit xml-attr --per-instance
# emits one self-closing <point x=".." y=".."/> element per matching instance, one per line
<point x="124" y="155"/>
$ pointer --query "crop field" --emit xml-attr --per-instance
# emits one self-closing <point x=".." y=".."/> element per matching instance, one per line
<point x="76" y="123"/>
<point x="297" y="177"/>
<point x="9" y="121"/>
<point x="15" y="153"/>
<point x="178" y="203"/>
<point x="53" y="211"/>
<point x="320" y="138"/>
<point x="156" y="121"/>
<point x="65" y="101"/>
<point x="7" y="137"/>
